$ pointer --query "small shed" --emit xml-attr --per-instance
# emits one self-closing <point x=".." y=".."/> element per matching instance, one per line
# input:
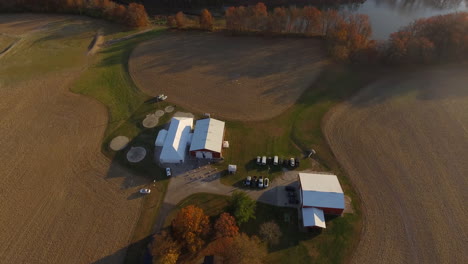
<point x="313" y="217"/>
<point x="161" y="138"/>
<point x="232" y="168"/>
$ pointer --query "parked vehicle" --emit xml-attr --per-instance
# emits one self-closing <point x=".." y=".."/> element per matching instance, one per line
<point x="247" y="181"/>
<point x="259" y="160"/>
<point x="285" y="162"/>
<point x="260" y="182"/>
<point x="168" y="172"/>
<point x="254" y="181"/>
<point x="297" y="162"/>
<point x="292" y="162"/>
<point x="162" y="97"/>
<point x="280" y="161"/>
<point x="275" y="160"/>
<point x="264" y="160"/>
<point x="266" y="182"/>
<point x="145" y="191"/>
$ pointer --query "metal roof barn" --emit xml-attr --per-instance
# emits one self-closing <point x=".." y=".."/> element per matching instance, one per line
<point x="208" y="136"/>
<point x="322" y="191"/>
<point x="175" y="145"/>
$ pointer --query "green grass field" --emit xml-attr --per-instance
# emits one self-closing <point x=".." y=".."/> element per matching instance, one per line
<point x="328" y="246"/>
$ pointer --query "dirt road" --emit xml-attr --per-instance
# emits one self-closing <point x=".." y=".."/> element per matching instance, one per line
<point x="244" y="78"/>
<point x="404" y="143"/>
<point x="60" y="201"/>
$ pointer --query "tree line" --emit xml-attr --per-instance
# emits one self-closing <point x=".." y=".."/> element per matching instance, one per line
<point x="133" y="14"/>
<point x="192" y="235"/>
<point x="348" y="36"/>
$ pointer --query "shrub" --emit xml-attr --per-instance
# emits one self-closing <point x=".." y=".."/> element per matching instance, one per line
<point x="270" y="232"/>
<point x="242" y="207"/>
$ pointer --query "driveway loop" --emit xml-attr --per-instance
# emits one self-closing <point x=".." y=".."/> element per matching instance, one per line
<point x="169" y="109"/>
<point x="150" y="121"/>
<point x="119" y="143"/>
<point x="159" y="113"/>
<point x="136" y="154"/>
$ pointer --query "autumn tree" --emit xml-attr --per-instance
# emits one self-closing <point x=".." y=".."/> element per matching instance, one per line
<point x="270" y="232"/>
<point x="218" y="247"/>
<point x="164" y="249"/>
<point x="190" y="227"/>
<point x="258" y="16"/>
<point x="226" y="226"/>
<point x="136" y="15"/>
<point x="349" y="36"/>
<point x="438" y="38"/>
<point x="242" y="207"/>
<point x="180" y="19"/>
<point x="206" y="20"/>
<point x="312" y="16"/>
<point x="277" y="20"/>
<point x="245" y="250"/>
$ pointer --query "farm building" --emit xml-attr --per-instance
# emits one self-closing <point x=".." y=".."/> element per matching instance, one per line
<point x="207" y="140"/>
<point x="161" y="138"/>
<point x="176" y="140"/>
<point x="320" y="194"/>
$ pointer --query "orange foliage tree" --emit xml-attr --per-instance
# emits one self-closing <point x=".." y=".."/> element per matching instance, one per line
<point x="206" y="20"/>
<point x="190" y="227"/>
<point x="244" y="250"/>
<point x="180" y="19"/>
<point x="136" y="15"/>
<point x="226" y="226"/>
<point x="165" y="249"/>
<point x="438" y="38"/>
<point x="349" y="36"/>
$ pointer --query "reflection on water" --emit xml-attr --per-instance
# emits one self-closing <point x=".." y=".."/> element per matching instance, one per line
<point x="387" y="16"/>
<point x="414" y="5"/>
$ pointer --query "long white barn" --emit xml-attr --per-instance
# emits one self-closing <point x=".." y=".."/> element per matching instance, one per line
<point x="175" y="144"/>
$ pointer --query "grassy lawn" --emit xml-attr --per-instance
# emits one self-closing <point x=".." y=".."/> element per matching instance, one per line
<point x="328" y="246"/>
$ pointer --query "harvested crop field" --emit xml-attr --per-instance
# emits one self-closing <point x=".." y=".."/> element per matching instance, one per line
<point x="404" y="143"/>
<point x="61" y="200"/>
<point x="244" y="78"/>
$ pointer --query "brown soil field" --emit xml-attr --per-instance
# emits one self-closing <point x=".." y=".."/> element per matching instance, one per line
<point x="243" y="78"/>
<point x="404" y="143"/>
<point x="61" y="200"/>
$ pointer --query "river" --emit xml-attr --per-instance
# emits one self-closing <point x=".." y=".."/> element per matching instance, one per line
<point x="388" y="16"/>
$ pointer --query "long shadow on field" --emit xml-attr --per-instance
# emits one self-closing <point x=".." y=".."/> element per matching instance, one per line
<point x="134" y="249"/>
<point x="429" y="83"/>
<point x="230" y="57"/>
